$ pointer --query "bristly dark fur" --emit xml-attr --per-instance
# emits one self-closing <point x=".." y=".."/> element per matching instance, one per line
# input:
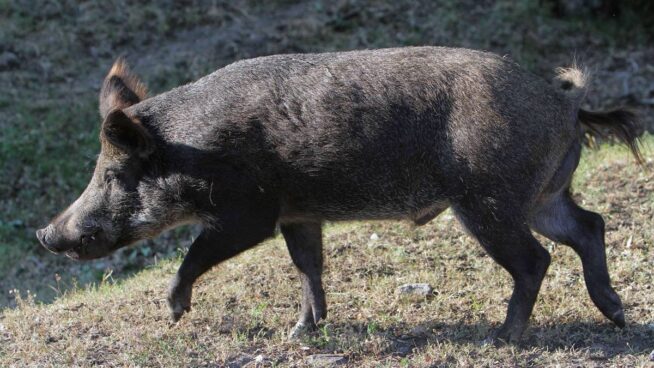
<point x="296" y="140"/>
<point x="620" y="123"/>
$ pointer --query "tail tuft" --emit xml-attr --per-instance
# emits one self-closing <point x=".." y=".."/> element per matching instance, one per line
<point x="621" y="124"/>
<point x="572" y="81"/>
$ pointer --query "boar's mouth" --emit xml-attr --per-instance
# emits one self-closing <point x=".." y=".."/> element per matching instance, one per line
<point x="74" y="253"/>
<point x="87" y="251"/>
<point x="79" y="253"/>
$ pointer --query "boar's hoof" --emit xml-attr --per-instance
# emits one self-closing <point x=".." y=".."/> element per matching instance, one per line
<point x="504" y="336"/>
<point x="618" y="318"/>
<point x="300" y="329"/>
<point x="177" y="312"/>
<point x="179" y="302"/>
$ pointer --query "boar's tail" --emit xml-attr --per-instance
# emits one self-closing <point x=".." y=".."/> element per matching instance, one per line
<point x="619" y="124"/>
<point x="572" y="82"/>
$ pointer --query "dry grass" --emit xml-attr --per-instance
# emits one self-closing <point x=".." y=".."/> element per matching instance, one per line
<point x="243" y="308"/>
<point x="62" y="49"/>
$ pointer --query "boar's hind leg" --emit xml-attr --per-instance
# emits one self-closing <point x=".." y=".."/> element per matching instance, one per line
<point x="563" y="221"/>
<point x="235" y="234"/>
<point x="510" y="243"/>
<point x="304" y="242"/>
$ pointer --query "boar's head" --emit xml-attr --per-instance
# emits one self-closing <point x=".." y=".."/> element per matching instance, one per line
<point x="122" y="201"/>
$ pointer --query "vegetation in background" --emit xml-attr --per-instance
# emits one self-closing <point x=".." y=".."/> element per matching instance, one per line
<point x="53" y="56"/>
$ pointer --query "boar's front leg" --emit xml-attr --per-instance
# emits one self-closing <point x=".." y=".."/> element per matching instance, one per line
<point x="304" y="242"/>
<point x="236" y="232"/>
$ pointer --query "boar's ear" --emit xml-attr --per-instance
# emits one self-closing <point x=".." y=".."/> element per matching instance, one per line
<point x="120" y="89"/>
<point x="126" y="134"/>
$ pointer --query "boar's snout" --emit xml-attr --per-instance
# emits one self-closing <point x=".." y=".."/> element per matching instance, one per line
<point x="75" y="244"/>
<point x="45" y="238"/>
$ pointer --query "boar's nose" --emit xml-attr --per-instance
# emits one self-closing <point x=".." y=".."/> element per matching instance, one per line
<point x="44" y="236"/>
<point x="56" y="241"/>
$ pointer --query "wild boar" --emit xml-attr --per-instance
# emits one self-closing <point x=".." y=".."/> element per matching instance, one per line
<point x="297" y="140"/>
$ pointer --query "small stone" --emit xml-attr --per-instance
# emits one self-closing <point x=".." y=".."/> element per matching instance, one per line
<point x="374" y="237"/>
<point x="651" y="356"/>
<point x="259" y="359"/>
<point x="326" y="360"/>
<point x="416" y="289"/>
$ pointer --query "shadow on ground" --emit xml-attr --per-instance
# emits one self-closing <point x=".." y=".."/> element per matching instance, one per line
<point x="600" y="340"/>
<point x="69" y="275"/>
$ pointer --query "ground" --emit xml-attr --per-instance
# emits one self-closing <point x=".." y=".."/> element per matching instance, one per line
<point x="244" y="308"/>
<point x="53" y="56"/>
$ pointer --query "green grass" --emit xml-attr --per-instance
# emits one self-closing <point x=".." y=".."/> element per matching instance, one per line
<point x="40" y="159"/>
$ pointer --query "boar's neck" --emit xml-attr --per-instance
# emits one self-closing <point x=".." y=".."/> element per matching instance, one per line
<point x="202" y="131"/>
